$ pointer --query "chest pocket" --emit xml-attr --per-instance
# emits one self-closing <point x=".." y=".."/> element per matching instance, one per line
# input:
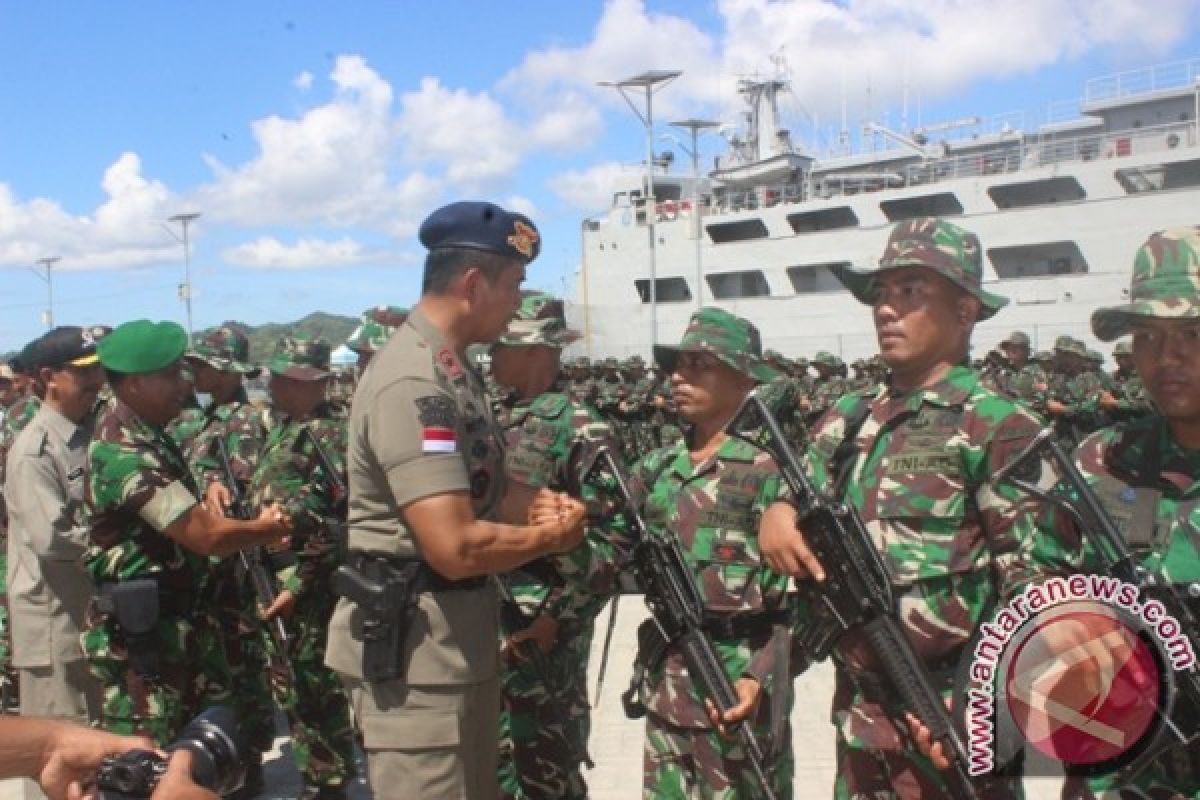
<point x="729" y="560"/>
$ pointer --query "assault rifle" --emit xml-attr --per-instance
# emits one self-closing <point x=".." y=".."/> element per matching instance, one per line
<point x="254" y="561"/>
<point x="330" y="474"/>
<point x="1088" y="512"/>
<point x="677" y="611"/>
<point x="856" y="594"/>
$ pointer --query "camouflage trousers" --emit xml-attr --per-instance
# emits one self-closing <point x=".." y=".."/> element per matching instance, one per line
<point x="543" y="735"/>
<point x="246" y="655"/>
<point x="1170" y="778"/>
<point x="317" y="708"/>
<point x="192" y="675"/>
<point x="702" y="764"/>
<point x="870" y="774"/>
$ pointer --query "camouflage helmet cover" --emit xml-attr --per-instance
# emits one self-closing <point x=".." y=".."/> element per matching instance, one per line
<point x="1165" y="283"/>
<point x="226" y="349"/>
<point x="734" y="341"/>
<point x="300" y="357"/>
<point x="540" y="320"/>
<point x="945" y="248"/>
<point x="1069" y="344"/>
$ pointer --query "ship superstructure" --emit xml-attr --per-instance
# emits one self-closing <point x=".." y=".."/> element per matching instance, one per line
<point x="1060" y="208"/>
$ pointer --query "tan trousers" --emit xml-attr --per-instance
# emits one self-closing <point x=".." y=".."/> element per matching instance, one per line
<point x="431" y="742"/>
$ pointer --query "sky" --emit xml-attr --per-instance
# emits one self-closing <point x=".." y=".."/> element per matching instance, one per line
<point x="313" y="137"/>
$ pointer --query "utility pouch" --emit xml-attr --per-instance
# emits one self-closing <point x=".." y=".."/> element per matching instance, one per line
<point x="134" y="605"/>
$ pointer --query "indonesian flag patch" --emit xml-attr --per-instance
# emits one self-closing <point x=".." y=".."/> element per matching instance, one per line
<point x="435" y="439"/>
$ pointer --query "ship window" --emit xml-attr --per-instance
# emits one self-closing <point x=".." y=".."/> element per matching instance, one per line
<point x="731" y="285"/>
<point x="944" y="204"/>
<point x="721" y="232"/>
<point x="825" y="220"/>
<point x="1037" y="260"/>
<point x="810" y="278"/>
<point x="667" y="290"/>
<point x="1156" y="177"/>
<point x="1036" y="193"/>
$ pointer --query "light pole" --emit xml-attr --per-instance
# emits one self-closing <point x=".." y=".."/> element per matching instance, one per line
<point x="648" y="82"/>
<point x="185" y="290"/>
<point x="695" y="126"/>
<point x="48" y="265"/>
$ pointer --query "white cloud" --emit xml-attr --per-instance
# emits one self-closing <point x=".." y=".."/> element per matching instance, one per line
<point x="124" y="231"/>
<point x="303" y="81"/>
<point x="590" y="190"/>
<point x="267" y="252"/>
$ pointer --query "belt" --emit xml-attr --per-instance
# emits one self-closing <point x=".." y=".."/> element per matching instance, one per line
<point x="742" y="624"/>
<point x="372" y="565"/>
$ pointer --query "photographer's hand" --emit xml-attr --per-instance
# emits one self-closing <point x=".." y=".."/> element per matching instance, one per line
<point x="177" y="784"/>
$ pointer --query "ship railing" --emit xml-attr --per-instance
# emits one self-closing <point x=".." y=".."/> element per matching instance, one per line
<point x="1172" y="75"/>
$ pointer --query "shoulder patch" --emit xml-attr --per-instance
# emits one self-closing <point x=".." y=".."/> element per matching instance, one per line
<point x="549" y="406"/>
<point x="435" y="411"/>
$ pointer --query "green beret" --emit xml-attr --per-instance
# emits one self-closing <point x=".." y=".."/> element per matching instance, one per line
<point x="142" y="346"/>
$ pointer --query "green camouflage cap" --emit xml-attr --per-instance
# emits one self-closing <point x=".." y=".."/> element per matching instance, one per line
<point x="141" y="346"/>
<point x="226" y="349"/>
<point x="636" y="361"/>
<point x="1069" y="344"/>
<point x="824" y="358"/>
<point x="1095" y="356"/>
<point x="933" y="243"/>
<point x="734" y="341"/>
<point x="375" y="328"/>
<point x="1018" y="338"/>
<point x="1042" y="356"/>
<point x="540" y="320"/>
<point x="1165" y="284"/>
<point x="611" y="363"/>
<point x="1123" y="348"/>
<point x="300" y="357"/>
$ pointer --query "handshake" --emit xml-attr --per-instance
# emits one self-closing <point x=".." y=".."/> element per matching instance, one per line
<point x="559" y="517"/>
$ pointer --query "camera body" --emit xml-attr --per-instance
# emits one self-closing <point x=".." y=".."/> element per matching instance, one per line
<point x="212" y="739"/>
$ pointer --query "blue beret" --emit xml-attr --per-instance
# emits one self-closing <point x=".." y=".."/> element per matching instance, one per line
<point x="482" y="226"/>
<point x="142" y="346"/>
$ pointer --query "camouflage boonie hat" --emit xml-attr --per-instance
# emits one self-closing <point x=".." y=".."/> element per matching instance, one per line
<point x="1095" y="356"/>
<point x="225" y="349"/>
<point x="1123" y="348"/>
<point x="611" y="363"/>
<point x="1042" y="357"/>
<point x="376" y="327"/>
<point x="933" y="243"/>
<point x="301" y="358"/>
<point x="1069" y="344"/>
<point x="1165" y="283"/>
<point x="734" y="341"/>
<point x="540" y="320"/>
<point x="824" y="358"/>
<point x="635" y="361"/>
<point x="1017" y="338"/>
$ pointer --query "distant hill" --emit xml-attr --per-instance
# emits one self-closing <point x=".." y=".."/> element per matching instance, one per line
<point x="332" y="327"/>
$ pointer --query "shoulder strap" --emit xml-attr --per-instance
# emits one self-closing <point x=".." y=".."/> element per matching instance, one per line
<point x="843" y="456"/>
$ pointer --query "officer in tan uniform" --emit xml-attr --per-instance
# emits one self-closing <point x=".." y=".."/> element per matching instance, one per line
<point x="431" y="516"/>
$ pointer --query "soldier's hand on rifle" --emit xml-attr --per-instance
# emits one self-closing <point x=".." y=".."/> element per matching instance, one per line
<point x="274" y="513"/>
<point x="285" y="603"/>
<point x="217" y="497"/>
<point x="1108" y="402"/>
<point x="749" y="692"/>
<point x="542" y="632"/>
<point x="783" y="545"/>
<point x="1056" y="407"/>
<point x="934" y="751"/>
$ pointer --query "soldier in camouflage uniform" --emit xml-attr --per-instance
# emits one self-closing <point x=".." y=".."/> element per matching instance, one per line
<point x="152" y="637"/>
<point x="218" y="362"/>
<point x="544" y="729"/>
<point x="1128" y="398"/>
<point x="291" y="472"/>
<point x="708" y="493"/>
<point x="1024" y="380"/>
<point x="925" y="445"/>
<point x="1155" y="459"/>
<point x="636" y="408"/>
<point x="829" y="387"/>
<point x="374" y="329"/>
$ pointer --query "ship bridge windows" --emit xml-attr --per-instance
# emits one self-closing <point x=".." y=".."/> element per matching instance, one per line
<point x="1157" y="177"/>
<point x="739" y="231"/>
<point x="666" y="290"/>
<point x="826" y="219"/>
<point x="812" y="278"/>
<point x="943" y="204"/>
<point x="1037" y="260"/>
<point x="1036" y="193"/>
<point x="733" y="285"/>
